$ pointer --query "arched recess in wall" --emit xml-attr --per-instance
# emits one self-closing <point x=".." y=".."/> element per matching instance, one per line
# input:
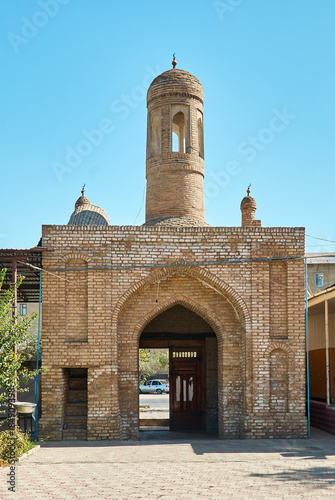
<point x="188" y="303"/>
<point x="76" y="301"/>
<point x="278" y="299"/>
<point x="179" y="132"/>
<point x="155" y="136"/>
<point x="203" y="275"/>
<point x="200" y="134"/>
<point x="279" y="383"/>
<point x="217" y="304"/>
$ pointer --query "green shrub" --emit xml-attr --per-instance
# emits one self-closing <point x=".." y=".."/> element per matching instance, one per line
<point x="14" y="440"/>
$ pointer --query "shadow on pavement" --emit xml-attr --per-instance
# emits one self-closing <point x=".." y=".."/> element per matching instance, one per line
<point x="320" y="446"/>
<point x="317" y="477"/>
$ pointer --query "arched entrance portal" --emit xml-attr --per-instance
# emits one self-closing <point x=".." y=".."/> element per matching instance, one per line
<point x="193" y="367"/>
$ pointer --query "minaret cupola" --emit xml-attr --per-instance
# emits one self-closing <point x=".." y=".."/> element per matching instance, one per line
<point x="248" y="209"/>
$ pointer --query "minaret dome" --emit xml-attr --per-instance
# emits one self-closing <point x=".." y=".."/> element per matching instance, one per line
<point x="248" y="210"/>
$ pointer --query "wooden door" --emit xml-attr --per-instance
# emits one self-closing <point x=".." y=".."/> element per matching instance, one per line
<point x="187" y="388"/>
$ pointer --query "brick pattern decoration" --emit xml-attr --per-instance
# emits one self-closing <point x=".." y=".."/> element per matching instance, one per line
<point x="232" y="297"/>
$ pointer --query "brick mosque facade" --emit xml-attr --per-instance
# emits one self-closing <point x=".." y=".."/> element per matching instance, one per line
<point x="228" y="302"/>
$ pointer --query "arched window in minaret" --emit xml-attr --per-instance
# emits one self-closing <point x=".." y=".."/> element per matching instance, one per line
<point x="200" y="134"/>
<point x="179" y="132"/>
<point x="155" y="136"/>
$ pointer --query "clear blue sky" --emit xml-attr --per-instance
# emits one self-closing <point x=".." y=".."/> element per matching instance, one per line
<point x="70" y="66"/>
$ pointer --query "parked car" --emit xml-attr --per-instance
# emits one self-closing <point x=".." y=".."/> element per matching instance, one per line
<point x="154" y="386"/>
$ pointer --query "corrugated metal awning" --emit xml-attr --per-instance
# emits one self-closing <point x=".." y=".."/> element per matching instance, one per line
<point x="29" y="289"/>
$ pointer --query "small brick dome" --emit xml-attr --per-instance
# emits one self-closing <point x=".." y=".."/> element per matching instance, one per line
<point x="86" y="214"/>
<point x="82" y="200"/>
<point x="176" y="81"/>
<point x="248" y="202"/>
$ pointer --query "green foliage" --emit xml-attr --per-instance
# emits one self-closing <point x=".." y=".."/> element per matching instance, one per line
<point x="152" y="362"/>
<point x="14" y="331"/>
<point x="16" y="440"/>
<point x="144" y="355"/>
<point x="28" y="349"/>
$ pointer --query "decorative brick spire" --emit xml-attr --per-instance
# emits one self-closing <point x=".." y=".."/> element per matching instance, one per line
<point x="248" y="209"/>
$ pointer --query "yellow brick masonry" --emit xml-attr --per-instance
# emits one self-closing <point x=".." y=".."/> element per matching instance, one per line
<point x="175" y="179"/>
<point x="261" y="366"/>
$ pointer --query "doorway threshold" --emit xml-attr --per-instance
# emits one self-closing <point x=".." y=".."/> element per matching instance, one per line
<point x="164" y="434"/>
<point x="155" y="422"/>
<point x="154" y="428"/>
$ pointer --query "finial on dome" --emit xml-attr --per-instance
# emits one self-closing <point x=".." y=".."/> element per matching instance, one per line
<point x="248" y="190"/>
<point x="174" y="62"/>
<point x="82" y="200"/>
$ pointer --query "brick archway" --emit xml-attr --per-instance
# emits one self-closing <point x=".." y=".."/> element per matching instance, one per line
<point x="217" y="310"/>
<point x="202" y="275"/>
<point x="187" y="302"/>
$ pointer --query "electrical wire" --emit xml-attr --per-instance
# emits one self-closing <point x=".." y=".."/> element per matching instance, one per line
<point x="45" y="271"/>
<point x="138" y="213"/>
<point x="322" y="239"/>
<point x="178" y="263"/>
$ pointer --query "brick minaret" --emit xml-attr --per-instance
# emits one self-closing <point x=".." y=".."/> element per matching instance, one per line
<point x="175" y="150"/>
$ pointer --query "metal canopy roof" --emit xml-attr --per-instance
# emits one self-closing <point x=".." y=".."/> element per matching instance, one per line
<point x="29" y="289"/>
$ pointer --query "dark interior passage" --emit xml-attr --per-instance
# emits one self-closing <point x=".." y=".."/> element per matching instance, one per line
<point x="193" y="372"/>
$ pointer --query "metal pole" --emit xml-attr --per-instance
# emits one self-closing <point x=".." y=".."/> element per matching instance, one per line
<point x="327" y="351"/>
<point x="307" y="356"/>
<point x="38" y="355"/>
<point x="14" y="282"/>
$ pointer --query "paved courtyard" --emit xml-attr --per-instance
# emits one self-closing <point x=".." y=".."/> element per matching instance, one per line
<point x="167" y="466"/>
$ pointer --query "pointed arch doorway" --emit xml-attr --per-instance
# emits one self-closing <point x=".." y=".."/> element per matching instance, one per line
<point x="193" y="373"/>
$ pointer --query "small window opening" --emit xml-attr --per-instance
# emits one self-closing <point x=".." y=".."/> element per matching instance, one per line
<point x="23" y="309"/>
<point x="155" y="137"/>
<point x="201" y="138"/>
<point x="178" y="133"/>
<point x="319" y="279"/>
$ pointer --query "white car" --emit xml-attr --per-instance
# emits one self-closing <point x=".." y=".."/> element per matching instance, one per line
<point x="154" y="386"/>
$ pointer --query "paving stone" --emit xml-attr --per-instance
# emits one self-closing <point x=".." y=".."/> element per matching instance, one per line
<point x="181" y="470"/>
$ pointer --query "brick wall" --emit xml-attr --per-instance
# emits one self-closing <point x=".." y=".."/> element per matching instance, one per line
<point x="174" y="178"/>
<point x="234" y="298"/>
<point x="211" y="385"/>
